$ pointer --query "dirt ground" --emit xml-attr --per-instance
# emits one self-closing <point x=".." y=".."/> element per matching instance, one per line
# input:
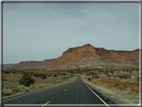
<point x="11" y="85"/>
<point x="126" y="90"/>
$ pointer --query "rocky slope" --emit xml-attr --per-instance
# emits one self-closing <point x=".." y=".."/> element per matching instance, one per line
<point x="87" y="56"/>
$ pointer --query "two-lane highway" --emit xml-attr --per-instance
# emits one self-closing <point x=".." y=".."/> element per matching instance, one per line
<point x="75" y="92"/>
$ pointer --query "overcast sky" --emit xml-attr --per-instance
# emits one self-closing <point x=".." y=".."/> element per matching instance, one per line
<point x="38" y="31"/>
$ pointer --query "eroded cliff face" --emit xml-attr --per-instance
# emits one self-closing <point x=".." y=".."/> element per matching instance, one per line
<point x="87" y="55"/>
<point x="88" y="51"/>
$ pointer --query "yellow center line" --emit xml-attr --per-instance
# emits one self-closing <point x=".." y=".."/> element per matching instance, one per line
<point x="46" y="103"/>
<point x="65" y="89"/>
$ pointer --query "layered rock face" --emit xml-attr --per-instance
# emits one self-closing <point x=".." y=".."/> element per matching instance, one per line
<point x="76" y="54"/>
<point x="87" y="51"/>
<point x="87" y="56"/>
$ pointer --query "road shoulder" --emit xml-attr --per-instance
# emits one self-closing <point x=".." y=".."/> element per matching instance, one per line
<point x="111" y="97"/>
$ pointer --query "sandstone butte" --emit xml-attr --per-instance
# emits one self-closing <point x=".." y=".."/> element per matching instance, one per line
<point x="88" y="55"/>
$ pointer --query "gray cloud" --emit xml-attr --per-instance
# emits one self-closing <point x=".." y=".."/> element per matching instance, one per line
<point x="38" y="31"/>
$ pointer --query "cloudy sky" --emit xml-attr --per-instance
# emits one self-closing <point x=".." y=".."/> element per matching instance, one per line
<point x="38" y="31"/>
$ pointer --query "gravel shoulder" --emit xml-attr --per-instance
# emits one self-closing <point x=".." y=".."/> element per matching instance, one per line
<point x="116" y="96"/>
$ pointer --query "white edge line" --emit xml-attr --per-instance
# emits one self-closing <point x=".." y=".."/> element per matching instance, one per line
<point x="97" y="96"/>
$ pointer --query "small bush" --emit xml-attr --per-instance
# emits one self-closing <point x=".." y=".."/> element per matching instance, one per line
<point x="32" y="87"/>
<point x="108" y="75"/>
<point x="88" y="74"/>
<point x="137" y="78"/>
<point x="120" y="86"/>
<point x="22" y="88"/>
<point x="129" y="90"/>
<point x="36" y="74"/>
<point x="49" y="75"/>
<point x="89" y="79"/>
<point x="42" y="85"/>
<point x="26" y="80"/>
<point x="136" y="89"/>
<point x="55" y="75"/>
<point x="43" y="76"/>
<point x="6" y="72"/>
<point x="112" y="85"/>
<point x="7" y="92"/>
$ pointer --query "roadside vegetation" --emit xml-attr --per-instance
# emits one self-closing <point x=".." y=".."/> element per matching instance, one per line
<point x="17" y="81"/>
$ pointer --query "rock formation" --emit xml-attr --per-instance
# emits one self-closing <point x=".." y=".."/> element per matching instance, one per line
<point x="87" y="56"/>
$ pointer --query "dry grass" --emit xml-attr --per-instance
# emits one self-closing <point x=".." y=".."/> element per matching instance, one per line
<point x="136" y="89"/>
<point x="7" y="92"/>
<point x="129" y="90"/>
<point x="10" y="81"/>
<point x="123" y="96"/>
<point x="32" y="87"/>
<point x="42" y="85"/>
<point x="22" y="88"/>
<point x="120" y="86"/>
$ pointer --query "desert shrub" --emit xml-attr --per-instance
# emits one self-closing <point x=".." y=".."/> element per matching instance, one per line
<point x="129" y="90"/>
<point x="88" y="74"/>
<point x="7" y="92"/>
<point x="125" y="77"/>
<point x="42" y="85"/>
<point x="31" y="73"/>
<point x="55" y="75"/>
<point x="43" y="76"/>
<point x="36" y="74"/>
<point x="120" y="76"/>
<point x="22" y="88"/>
<point x="26" y="80"/>
<point x="32" y="87"/>
<point x="137" y="69"/>
<point x="89" y="79"/>
<point x="23" y="72"/>
<point x="50" y="75"/>
<point x="6" y="71"/>
<point x="108" y="75"/>
<point x="112" y="85"/>
<point x="63" y="74"/>
<point x="137" y="78"/>
<point x="120" y="86"/>
<point x="136" y="89"/>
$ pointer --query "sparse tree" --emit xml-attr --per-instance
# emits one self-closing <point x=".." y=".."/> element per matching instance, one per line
<point x="26" y="80"/>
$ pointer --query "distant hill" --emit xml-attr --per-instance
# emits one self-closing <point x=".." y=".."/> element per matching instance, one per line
<point x="34" y="64"/>
<point x="90" y="56"/>
<point x="6" y="66"/>
<point x="86" y="56"/>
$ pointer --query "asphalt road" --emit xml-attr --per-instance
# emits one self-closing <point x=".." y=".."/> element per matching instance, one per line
<point x="74" y="92"/>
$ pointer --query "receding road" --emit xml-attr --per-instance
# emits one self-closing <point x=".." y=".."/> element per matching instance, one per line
<point x="74" y="92"/>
